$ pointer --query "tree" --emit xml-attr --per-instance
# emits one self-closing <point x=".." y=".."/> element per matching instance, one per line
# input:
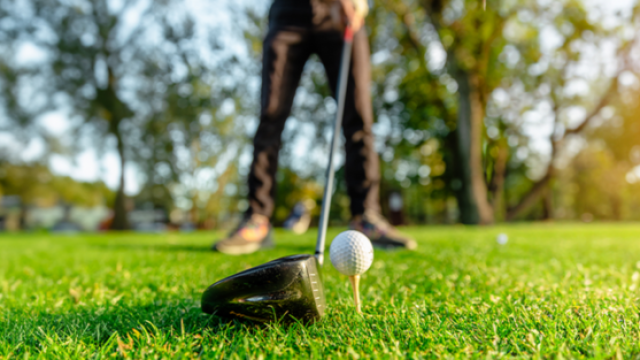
<point x="593" y="186"/>
<point x="35" y="184"/>
<point x="94" y="62"/>
<point x="494" y="75"/>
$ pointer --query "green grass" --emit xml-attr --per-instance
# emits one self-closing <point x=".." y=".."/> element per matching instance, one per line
<point x="553" y="291"/>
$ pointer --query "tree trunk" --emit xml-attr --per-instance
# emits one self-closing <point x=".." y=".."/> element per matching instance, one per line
<point x="473" y="202"/>
<point x="531" y="197"/>
<point x="547" y="201"/>
<point x="497" y="182"/>
<point x="120" y="221"/>
<point x="616" y="207"/>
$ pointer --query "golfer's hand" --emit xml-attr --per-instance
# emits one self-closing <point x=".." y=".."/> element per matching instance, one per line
<point x="355" y="11"/>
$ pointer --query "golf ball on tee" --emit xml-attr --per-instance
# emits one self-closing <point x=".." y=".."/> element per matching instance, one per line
<point x="351" y="253"/>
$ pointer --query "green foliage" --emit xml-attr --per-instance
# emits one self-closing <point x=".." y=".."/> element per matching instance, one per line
<point x="599" y="182"/>
<point x="522" y="58"/>
<point x="553" y="291"/>
<point x="620" y="130"/>
<point x="594" y="186"/>
<point x="190" y="143"/>
<point x="183" y="118"/>
<point x="37" y="186"/>
<point x="148" y="84"/>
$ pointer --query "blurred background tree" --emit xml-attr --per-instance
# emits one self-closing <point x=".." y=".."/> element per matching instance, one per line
<point x="125" y="71"/>
<point x="483" y="80"/>
<point x="523" y="111"/>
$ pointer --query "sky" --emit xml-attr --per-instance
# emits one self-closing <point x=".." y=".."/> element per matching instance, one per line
<point x="90" y="166"/>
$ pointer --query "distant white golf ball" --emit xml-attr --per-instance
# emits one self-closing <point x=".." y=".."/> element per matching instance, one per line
<point x="502" y="239"/>
<point x="351" y="253"/>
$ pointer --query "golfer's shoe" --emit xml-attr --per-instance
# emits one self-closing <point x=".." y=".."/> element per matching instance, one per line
<point x="380" y="232"/>
<point x="299" y="219"/>
<point x="253" y="234"/>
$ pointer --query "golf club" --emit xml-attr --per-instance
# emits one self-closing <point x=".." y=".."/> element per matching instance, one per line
<point x="290" y="287"/>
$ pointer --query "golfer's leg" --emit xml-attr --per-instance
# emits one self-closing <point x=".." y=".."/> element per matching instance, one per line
<point x="284" y="55"/>
<point x="362" y="168"/>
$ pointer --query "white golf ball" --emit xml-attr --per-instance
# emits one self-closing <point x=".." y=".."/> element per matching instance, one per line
<point x="502" y="239"/>
<point x="351" y="253"/>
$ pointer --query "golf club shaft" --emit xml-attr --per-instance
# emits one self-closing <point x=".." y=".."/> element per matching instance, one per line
<point x="328" y="187"/>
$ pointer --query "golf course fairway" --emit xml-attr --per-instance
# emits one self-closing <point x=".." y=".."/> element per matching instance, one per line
<point x="553" y="290"/>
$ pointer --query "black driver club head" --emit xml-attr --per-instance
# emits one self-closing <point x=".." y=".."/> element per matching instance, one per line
<point x="284" y="289"/>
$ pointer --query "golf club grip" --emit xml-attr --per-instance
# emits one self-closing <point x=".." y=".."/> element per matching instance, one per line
<point x="328" y="187"/>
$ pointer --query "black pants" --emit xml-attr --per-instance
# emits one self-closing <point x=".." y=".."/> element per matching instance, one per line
<point x="294" y="34"/>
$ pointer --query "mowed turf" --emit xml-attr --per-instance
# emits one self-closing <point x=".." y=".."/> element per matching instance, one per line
<point x="552" y="291"/>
